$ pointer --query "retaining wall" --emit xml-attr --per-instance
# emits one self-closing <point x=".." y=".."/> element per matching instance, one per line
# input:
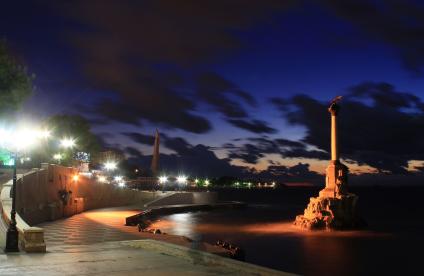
<point x="38" y="199"/>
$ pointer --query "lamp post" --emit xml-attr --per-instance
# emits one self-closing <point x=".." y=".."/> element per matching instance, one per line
<point x="12" y="235"/>
<point x="16" y="141"/>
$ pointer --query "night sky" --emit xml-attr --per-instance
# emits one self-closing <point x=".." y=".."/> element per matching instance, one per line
<point x="232" y="83"/>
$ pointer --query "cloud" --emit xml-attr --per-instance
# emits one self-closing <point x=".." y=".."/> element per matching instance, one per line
<point x="200" y="161"/>
<point x="254" y="148"/>
<point x="399" y="24"/>
<point x="133" y="152"/>
<point x="148" y="53"/>
<point x="255" y="126"/>
<point x="140" y="138"/>
<point x="379" y="126"/>
<point x="300" y="170"/>
<point x="216" y="91"/>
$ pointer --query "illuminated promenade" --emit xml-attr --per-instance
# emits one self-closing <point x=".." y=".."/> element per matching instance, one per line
<point x="97" y="242"/>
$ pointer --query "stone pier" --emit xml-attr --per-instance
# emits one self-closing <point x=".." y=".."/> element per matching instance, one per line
<point x="335" y="207"/>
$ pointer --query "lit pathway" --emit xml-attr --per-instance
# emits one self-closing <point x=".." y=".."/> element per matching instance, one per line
<point x="91" y="227"/>
<point x="103" y="225"/>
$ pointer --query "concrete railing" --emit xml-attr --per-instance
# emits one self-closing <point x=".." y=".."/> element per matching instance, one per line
<point x="185" y="198"/>
<point x="31" y="239"/>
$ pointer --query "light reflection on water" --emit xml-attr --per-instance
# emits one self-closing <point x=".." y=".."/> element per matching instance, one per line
<point x="190" y="224"/>
<point x="273" y="241"/>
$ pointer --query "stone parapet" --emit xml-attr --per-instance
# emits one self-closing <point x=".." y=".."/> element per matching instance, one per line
<point x="31" y="239"/>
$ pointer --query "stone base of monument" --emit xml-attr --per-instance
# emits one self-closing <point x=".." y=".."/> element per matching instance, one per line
<point x="329" y="212"/>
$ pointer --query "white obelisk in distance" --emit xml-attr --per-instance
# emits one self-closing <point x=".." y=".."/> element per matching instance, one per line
<point x="155" y="157"/>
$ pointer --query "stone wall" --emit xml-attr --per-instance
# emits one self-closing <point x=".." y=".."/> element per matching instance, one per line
<point x="38" y="199"/>
<point x="38" y="194"/>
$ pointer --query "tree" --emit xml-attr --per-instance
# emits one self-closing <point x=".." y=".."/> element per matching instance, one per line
<point x="15" y="83"/>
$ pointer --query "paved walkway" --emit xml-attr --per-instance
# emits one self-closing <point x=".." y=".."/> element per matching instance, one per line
<point x="91" y="227"/>
<point x="106" y="225"/>
<point x="123" y="258"/>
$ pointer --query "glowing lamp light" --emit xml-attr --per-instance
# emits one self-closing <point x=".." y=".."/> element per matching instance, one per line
<point x="75" y="178"/>
<point x="44" y="134"/>
<point x="207" y="182"/>
<point x="121" y="184"/>
<point x="118" y="178"/>
<point x="18" y="139"/>
<point x="67" y="142"/>
<point x="102" y="178"/>
<point x="182" y="179"/>
<point x="22" y="139"/>
<point x="163" y="179"/>
<point x="110" y="165"/>
<point x="57" y="156"/>
<point x="196" y="181"/>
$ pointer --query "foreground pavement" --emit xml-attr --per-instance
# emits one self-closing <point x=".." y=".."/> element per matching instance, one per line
<point x="140" y="257"/>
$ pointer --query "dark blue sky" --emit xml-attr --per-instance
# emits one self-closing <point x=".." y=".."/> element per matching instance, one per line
<point x="219" y="66"/>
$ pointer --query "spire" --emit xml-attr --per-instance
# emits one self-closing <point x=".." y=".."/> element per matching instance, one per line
<point x="155" y="156"/>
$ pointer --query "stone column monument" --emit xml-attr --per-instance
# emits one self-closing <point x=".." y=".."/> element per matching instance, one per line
<point x="334" y="208"/>
<point x="155" y="156"/>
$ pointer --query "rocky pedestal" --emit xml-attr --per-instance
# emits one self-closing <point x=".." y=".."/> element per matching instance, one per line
<point x="334" y="208"/>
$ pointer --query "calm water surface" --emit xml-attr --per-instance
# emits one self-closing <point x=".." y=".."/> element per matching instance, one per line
<point x="392" y="244"/>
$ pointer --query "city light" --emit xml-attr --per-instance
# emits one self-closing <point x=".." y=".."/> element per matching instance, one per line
<point x="67" y="142"/>
<point x="182" y="179"/>
<point x="102" y="178"/>
<point x="121" y="184"/>
<point x="118" y="178"/>
<point x="163" y="179"/>
<point x="75" y="178"/>
<point x="207" y="182"/>
<point x="196" y="181"/>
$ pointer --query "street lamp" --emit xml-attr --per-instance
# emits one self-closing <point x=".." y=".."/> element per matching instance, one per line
<point x="110" y="165"/>
<point x="163" y="179"/>
<point x="182" y="179"/>
<point x="16" y="141"/>
<point x="12" y="234"/>
<point x="67" y="142"/>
